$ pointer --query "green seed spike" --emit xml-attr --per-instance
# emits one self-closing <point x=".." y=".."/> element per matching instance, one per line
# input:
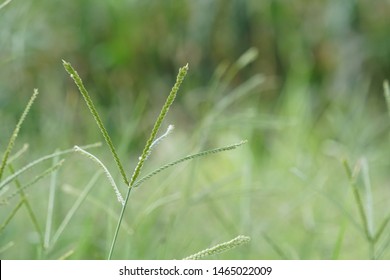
<point x="220" y="248"/>
<point x="16" y="131"/>
<point x="163" y="113"/>
<point x="190" y="157"/>
<point x="171" y="97"/>
<point x="75" y="76"/>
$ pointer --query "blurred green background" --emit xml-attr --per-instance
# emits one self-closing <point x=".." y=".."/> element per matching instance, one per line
<point x="302" y="81"/>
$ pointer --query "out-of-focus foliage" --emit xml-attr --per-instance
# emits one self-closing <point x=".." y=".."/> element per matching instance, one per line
<point x="131" y="47"/>
<point x="312" y="94"/>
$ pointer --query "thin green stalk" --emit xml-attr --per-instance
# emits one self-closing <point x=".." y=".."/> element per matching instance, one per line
<point x="100" y="205"/>
<point x="220" y="248"/>
<point x="383" y="247"/>
<point x="366" y="215"/>
<point x="73" y="209"/>
<point x="28" y="206"/>
<point x="75" y="76"/>
<point x="32" y="182"/>
<point x="5" y="3"/>
<point x="368" y="197"/>
<point x="382" y="228"/>
<point x="18" y="153"/>
<point x="359" y="202"/>
<point x="339" y="241"/>
<point x="50" y="205"/>
<point x="118" y="226"/>
<point x="275" y="246"/>
<point x="16" y="131"/>
<point x="32" y="164"/>
<point x="11" y="215"/>
<point x="66" y="255"/>
<point x="146" y="151"/>
<point x="6" y="246"/>
<point x="387" y="94"/>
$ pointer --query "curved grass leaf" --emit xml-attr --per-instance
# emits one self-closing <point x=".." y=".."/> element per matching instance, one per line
<point x="35" y="162"/>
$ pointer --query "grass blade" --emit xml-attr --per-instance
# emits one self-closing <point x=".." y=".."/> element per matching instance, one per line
<point x="66" y="255"/>
<point x="359" y="201"/>
<point x="29" y="209"/>
<point x="5" y="3"/>
<point x="18" y="153"/>
<point x="382" y="228"/>
<point x="339" y="242"/>
<point x="74" y="208"/>
<point x="387" y="94"/>
<point x="36" y="179"/>
<point x="47" y="157"/>
<point x="50" y="205"/>
<point x="275" y="246"/>
<point x="368" y="197"/>
<point x="6" y="247"/>
<point x="11" y="215"/>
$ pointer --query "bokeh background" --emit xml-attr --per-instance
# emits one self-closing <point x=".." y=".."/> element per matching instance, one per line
<point x="302" y="81"/>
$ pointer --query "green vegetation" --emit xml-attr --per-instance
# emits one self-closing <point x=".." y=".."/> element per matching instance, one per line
<point x="304" y="84"/>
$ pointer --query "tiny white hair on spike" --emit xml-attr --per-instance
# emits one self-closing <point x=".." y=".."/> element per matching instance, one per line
<point x="169" y="130"/>
<point x="109" y="177"/>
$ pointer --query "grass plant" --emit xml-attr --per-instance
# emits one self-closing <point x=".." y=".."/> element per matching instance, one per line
<point x="15" y="184"/>
<point x="303" y="85"/>
<point x="150" y="143"/>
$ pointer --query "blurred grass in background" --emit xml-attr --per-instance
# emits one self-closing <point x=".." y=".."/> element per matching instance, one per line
<point x="301" y="80"/>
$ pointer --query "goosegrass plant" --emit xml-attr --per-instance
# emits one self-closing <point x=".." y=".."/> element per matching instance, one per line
<point x="150" y="144"/>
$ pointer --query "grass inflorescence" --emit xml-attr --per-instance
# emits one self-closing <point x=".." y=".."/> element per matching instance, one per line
<point x="75" y="76"/>
<point x="150" y="143"/>
<point x="16" y="182"/>
<point x="220" y="248"/>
